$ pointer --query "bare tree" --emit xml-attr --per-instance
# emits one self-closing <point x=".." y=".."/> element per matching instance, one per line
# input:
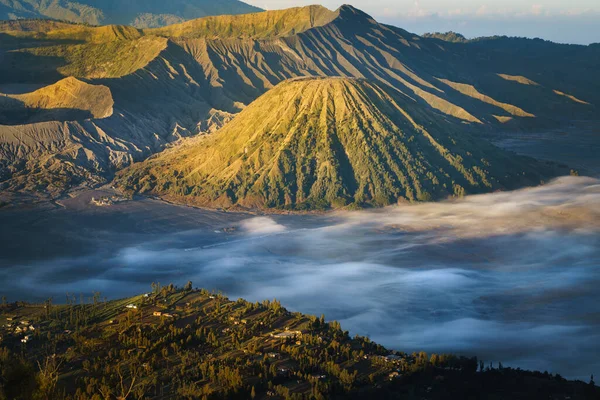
<point x="48" y="375"/>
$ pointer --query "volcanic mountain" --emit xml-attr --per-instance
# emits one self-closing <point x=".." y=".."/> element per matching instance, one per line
<point x="139" y="13"/>
<point x="191" y="78"/>
<point x="314" y="143"/>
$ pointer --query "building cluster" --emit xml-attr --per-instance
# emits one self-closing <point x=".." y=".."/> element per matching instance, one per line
<point x="20" y="328"/>
<point x="105" y="201"/>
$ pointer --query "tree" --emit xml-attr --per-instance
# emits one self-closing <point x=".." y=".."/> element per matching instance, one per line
<point x="253" y="393"/>
<point x="47" y="377"/>
<point x="48" y="307"/>
<point x="155" y="287"/>
<point x="188" y="286"/>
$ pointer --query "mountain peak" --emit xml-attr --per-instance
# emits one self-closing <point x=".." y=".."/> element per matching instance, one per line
<point x="313" y="143"/>
<point x="352" y="14"/>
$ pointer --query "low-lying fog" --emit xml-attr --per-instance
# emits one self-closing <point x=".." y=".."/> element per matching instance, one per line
<point x="511" y="277"/>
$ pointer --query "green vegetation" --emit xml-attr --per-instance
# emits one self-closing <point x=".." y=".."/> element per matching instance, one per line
<point x="111" y="59"/>
<point x="452" y="37"/>
<point x="319" y="143"/>
<point x="193" y="344"/>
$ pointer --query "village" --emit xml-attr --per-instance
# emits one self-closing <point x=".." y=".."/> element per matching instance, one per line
<point x="106" y="201"/>
<point x="221" y="346"/>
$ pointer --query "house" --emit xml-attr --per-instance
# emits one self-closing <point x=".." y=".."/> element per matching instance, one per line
<point x="131" y="306"/>
<point x="286" y="334"/>
<point x="394" y="375"/>
<point x="157" y="313"/>
<point x="273" y="355"/>
<point x="168" y="315"/>
<point x="25" y="322"/>
<point x="393" y="357"/>
<point x="26" y="339"/>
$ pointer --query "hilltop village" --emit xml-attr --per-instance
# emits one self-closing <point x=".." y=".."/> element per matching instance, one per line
<point x="191" y="343"/>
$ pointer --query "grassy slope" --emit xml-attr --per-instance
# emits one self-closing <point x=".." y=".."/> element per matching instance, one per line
<point x="258" y="25"/>
<point x="330" y="142"/>
<point x="69" y="94"/>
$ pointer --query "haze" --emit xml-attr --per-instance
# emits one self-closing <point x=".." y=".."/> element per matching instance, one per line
<point x="563" y="22"/>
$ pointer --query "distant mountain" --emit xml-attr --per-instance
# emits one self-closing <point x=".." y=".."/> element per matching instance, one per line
<point x="330" y="142"/>
<point x="447" y="36"/>
<point x="138" y="13"/>
<point x="192" y="78"/>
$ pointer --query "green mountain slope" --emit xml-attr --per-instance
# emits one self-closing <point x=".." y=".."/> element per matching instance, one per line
<point x="330" y="142"/>
<point x="139" y="13"/>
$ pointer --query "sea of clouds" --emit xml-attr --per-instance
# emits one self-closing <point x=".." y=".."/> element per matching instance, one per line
<point x="510" y="276"/>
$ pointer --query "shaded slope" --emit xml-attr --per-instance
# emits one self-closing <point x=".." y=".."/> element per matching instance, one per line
<point x="141" y="13"/>
<point x="329" y="142"/>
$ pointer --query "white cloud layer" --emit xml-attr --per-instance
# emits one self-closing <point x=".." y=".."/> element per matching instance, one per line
<point x="508" y="276"/>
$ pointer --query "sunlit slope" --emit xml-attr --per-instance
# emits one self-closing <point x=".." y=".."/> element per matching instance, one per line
<point x="45" y="51"/>
<point x="141" y="13"/>
<point x="68" y="99"/>
<point x="330" y="142"/>
<point x="257" y="25"/>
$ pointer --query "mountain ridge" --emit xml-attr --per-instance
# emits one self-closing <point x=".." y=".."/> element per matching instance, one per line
<point x="139" y="13"/>
<point x="167" y="88"/>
